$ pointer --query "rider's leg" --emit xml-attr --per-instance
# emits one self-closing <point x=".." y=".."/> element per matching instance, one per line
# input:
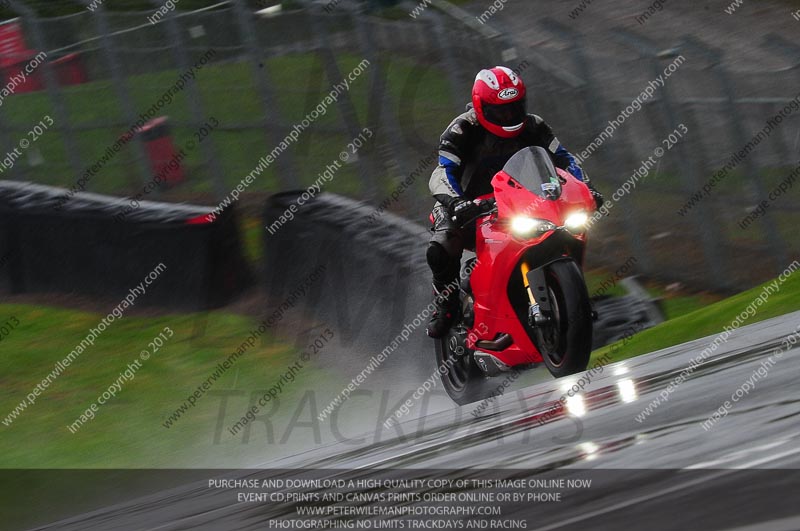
<point x="444" y="258"/>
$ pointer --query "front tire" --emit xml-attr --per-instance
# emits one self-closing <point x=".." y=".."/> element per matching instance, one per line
<point x="566" y="342"/>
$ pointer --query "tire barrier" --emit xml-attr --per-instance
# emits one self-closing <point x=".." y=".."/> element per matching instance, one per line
<point x="616" y="316"/>
<point x="81" y="249"/>
<point x="621" y="317"/>
<point x="373" y="271"/>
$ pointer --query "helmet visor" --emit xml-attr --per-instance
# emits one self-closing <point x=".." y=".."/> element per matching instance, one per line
<point x="505" y="114"/>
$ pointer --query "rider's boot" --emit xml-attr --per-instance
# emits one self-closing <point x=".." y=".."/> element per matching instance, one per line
<point x="446" y="303"/>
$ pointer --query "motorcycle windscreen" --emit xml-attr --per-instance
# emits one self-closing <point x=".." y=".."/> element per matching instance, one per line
<point x="532" y="168"/>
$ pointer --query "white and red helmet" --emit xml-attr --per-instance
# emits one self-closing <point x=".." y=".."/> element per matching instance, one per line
<point x="498" y="97"/>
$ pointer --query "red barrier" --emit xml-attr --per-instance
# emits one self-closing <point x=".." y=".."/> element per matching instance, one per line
<point x="70" y="70"/>
<point x="15" y="56"/>
<point x="164" y="159"/>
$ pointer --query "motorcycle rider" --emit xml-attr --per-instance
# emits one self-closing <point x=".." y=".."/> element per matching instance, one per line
<point x="474" y="147"/>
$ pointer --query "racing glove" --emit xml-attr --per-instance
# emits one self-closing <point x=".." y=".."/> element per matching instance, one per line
<point x="463" y="210"/>
<point x="598" y="197"/>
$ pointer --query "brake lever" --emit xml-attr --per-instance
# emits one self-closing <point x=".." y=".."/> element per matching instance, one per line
<point x="489" y="213"/>
<point x="482" y="214"/>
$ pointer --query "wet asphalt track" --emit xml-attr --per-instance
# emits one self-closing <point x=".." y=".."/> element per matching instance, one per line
<point x="760" y="432"/>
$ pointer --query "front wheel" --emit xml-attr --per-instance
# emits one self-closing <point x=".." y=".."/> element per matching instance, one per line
<point x="566" y="341"/>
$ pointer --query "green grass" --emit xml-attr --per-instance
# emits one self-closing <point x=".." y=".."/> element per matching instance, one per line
<point x="252" y="231"/>
<point x="228" y="94"/>
<point x="594" y="283"/>
<point x="678" y="305"/>
<point x="661" y="195"/>
<point x="127" y="431"/>
<point x="708" y="320"/>
<point x="673" y="304"/>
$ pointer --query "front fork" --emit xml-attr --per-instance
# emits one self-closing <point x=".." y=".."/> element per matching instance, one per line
<point x="535" y="318"/>
<point x="536" y="282"/>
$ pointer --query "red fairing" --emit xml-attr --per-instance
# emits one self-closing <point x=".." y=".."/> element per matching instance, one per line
<point x="500" y="252"/>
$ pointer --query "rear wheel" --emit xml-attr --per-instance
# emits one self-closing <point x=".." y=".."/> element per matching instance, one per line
<point x="461" y="378"/>
<point x="566" y="341"/>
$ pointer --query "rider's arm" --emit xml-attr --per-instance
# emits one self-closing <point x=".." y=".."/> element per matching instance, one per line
<point x="445" y="183"/>
<point x="561" y="157"/>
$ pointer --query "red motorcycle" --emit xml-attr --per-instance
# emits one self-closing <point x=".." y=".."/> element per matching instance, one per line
<point x="523" y="298"/>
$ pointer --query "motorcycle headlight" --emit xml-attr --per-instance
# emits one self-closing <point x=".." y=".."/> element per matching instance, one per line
<point x="525" y="226"/>
<point x="576" y="222"/>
